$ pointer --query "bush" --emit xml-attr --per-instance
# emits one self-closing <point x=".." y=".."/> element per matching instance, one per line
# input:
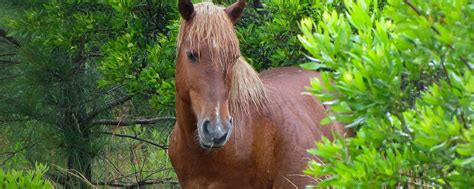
<point x="25" y="179"/>
<point x="402" y="76"/>
<point x="142" y="55"/>
<point x="268" y="36"/>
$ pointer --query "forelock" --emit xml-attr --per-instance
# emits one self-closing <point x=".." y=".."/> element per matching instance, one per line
<point x="211" y="26"/>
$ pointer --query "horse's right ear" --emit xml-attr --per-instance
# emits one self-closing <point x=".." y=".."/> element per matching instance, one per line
<point x="186" y="9"/>
<point x="235" y="10"/>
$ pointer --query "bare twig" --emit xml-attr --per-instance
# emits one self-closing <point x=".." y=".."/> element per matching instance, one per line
<point x="408" y="2"/>
<point x="75" y="173"/>
<point x="108" y="106"/>
<point x="164" y="147"/>
<point x="157" y="171"/>
<point x="101" y="93"/>
<point x="445" y="71"/>
<point x="140" y="183"/>
<point x="116" y="168"/>
<point x="128" y="122"/>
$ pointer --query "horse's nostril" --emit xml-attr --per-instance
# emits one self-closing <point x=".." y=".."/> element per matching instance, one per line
<point x="221" y="139"/>
<point x="205" y="126"/>
<point x="231" y="120"/>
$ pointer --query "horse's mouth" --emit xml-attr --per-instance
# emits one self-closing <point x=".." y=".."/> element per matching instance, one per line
<point x="206" y="146"/>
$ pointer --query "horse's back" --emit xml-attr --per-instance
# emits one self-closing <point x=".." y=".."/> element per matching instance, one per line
<point x="295" y="110"/>
<point x="296" y="118"/>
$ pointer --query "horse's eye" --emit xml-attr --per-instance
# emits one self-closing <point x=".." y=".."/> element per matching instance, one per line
<point x="192" y="56"/>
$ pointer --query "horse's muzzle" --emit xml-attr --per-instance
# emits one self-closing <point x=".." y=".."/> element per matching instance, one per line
<point x="215" y="135"/>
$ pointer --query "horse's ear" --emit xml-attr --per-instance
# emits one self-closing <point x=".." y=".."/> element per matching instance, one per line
<point x="235" y="10"/>
<point x="186" y="9"/>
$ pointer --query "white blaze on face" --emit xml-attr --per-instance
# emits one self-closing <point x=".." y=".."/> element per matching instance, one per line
<point x="218" y="119"/>
<point x="214" y="44"/>
<point x="217" y="111"/>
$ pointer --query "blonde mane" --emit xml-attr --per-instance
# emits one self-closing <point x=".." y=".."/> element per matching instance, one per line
<point x="247" y="89"/>
<point x="211" y="26"/>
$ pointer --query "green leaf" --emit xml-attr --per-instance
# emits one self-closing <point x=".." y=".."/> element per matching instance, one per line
<point x="312" y="66"/>
<point x="327" y="120"/>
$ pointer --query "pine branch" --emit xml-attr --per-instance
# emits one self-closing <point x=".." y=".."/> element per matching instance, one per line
<point x="164" y="147"/>
<point x="100" y="93"/>
<point x="8" y="77"/>
<point x="8" y="54"/>
<point x="13" y="154"/>
<point x="90" y="116"/>
<point x="12" y="40"/>
<point x="128" y="122"/>
<point x="8" y="62"/>
<point x="6" y="120"/>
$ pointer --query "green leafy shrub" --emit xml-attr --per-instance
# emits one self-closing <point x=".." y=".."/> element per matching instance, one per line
<point x="25" y="179"/>
<point x="402" y="77"/>
<point x="268" y="37"/>
<point x="142" y="55"/>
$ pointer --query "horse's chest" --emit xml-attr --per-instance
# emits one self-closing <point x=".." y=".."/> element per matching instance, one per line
<point x="216" y="172"/>
<point x="210" y="183"/>
<point x="204" y="174"/>
<point x="222" y="168"/>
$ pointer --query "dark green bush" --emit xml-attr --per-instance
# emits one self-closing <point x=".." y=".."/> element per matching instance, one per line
<point x="268" y="36"/>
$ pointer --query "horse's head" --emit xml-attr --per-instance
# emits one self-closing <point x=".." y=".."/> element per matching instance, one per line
<point x="207" y="51"/>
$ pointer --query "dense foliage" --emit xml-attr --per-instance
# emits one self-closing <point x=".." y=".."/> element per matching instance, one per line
<point x="81" y="70"/>
<point x="402" y="76"/>
<point x="268" y="38"/>
<point x="91" y="83"/>
<point x="87" y="87"/>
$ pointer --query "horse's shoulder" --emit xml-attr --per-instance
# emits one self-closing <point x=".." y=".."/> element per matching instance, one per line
<point x="292" y="113"/>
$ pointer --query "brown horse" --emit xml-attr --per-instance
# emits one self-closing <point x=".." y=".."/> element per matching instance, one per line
<point x="236" y="128"/>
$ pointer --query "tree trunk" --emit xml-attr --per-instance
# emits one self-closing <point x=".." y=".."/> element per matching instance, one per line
<point x="76" y="134"/>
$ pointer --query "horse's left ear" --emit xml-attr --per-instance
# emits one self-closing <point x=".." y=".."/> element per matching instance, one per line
<point x="235" y="10"/>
